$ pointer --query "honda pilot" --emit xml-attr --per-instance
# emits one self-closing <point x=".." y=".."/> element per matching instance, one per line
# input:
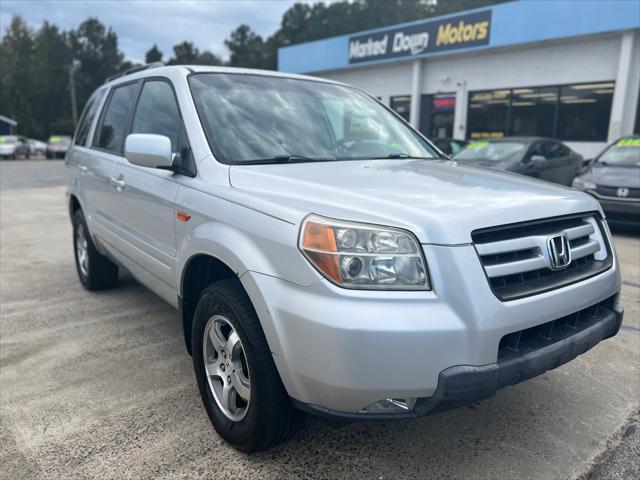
<point x="324" y="256"/>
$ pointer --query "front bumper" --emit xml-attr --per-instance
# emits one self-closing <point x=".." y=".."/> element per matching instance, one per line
<point x="464" y="384"/>
<point x="621" y="212"/>
<point x="339" y="351"/>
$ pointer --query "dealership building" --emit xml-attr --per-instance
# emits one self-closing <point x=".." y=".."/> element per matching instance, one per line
<point x="565" y="69"/>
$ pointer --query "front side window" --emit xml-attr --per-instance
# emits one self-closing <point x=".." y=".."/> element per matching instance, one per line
<point x="157" y="112"/>
<point x="492" y="151"/>
<point x="255" y="118"/>
<point x="113" y="127"/>
<point x="87" y="117"/>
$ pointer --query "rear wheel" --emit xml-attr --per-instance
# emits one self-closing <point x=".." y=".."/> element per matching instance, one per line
<point x="237" y="378"/>
<point x="95" y="271"/>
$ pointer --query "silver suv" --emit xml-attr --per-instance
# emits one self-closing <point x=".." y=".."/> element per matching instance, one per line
<point x="324" y="256"/>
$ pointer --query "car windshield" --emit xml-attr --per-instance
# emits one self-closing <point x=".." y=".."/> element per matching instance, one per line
<point x="60" y="140"/>
<point x="262" y="119"/>
<point x="492" y="151"/>
<point x="4" y="139"/>
<point x="625" y="153"/>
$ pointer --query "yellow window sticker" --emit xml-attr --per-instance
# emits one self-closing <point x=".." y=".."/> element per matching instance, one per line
<point x="628" y="142"/>
<point x="54" y="140"/>
<point x="477" y="144"/>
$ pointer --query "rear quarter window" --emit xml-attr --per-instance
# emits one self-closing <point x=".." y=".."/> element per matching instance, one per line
<point x="87" y="117"/>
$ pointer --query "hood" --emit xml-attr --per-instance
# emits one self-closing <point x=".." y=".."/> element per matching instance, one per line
<point x="613" y="176"/>
<point x="480" y="162"/>
<point x="439" y="201"/>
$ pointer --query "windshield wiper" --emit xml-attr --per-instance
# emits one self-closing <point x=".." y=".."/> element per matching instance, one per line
<point x="401" y="156"/>
<point x="284" y="159"/>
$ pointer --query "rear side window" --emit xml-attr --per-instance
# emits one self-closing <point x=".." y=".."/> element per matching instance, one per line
<point x="88" y="115"/>
<point x="157" y="112"/>
<point x="113" y="127"/>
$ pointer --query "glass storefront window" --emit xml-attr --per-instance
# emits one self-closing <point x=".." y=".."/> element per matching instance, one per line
<point x="488" y="114"/>
<point x="584" y="112"/>
<point x="402" y="106"/>
<point x="577" y="112"/>
<point x="533" y="111"/>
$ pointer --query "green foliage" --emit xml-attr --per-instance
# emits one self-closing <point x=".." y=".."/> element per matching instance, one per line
<point x="186" y="53"/>
<point x="153" y="55"/>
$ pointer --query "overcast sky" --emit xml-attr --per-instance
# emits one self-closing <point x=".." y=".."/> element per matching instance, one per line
<point x="141" y="23"/>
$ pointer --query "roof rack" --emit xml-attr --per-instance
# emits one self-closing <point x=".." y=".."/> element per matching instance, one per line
<point x="135" y="70"/>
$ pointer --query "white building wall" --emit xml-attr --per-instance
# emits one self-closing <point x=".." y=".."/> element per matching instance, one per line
<point x="384" y="81"/>
<point x="590" y="59"/>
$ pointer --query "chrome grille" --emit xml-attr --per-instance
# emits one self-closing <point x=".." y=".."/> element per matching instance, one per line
<point x="517" y="260"/>
<point x="613" y="192"/>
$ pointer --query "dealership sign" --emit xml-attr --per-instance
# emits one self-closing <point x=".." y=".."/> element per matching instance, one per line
<point x="452" y="33"/>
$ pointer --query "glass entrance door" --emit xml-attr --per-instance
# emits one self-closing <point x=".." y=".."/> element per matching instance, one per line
<point x="436" y="115"/>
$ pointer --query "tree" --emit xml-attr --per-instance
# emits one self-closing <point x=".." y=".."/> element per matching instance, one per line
<point x="153" y="55"/>
<point x="16" y="53"/>
<point x="96" y="47"/>
<point x="247" y="48"/>
<point x="184" y="54"/>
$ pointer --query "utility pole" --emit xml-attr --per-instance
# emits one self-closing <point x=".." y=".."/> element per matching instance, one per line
<point x="75" y="64"/>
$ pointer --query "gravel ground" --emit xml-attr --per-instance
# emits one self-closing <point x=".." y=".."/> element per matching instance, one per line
<point x="100" y="386"/>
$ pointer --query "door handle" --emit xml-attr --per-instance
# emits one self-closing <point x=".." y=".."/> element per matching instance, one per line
<point x="119" y="183"/>
<point x="83" y="169"/>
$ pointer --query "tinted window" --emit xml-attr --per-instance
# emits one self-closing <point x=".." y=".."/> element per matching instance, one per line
<point x="88" y="115"/>
<point x="157" y="112"/>
<point x="555" y="150"/>
<point x="584" y="112"/>
<point x="571" y="112"/>
<point x="114" y="122"/>
<point x="488" y="113"/>
<point x="533" y="111"/>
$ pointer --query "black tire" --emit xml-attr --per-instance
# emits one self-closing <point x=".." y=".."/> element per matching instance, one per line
<point x="271" y="417"/>
<point x="101" y="272"/>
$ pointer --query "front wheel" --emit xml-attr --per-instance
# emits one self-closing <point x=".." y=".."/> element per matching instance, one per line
<point x="237" y="377"/>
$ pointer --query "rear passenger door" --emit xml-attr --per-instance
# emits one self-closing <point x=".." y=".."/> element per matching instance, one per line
<point x="97" y="165"/>
<point x="144" y="197"/>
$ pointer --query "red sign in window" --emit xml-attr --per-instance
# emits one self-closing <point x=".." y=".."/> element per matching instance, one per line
<point x="444" y="103"/>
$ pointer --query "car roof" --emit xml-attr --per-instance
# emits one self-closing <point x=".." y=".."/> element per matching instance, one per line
<point x="159" y="70"/>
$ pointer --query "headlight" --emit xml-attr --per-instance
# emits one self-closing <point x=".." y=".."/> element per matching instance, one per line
<point x="369" y="257"/>
<point x="581" y="184"/>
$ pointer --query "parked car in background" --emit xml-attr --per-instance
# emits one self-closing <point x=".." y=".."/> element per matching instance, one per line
<point x="329" y="260"/>
<point x="614" y="179"/>
<point x="14" y="146"/>
<point x="36" y="147"/>
<point x="58" y="146"/>
<point x="537" y="157"/>
<point x="450" y="146"/>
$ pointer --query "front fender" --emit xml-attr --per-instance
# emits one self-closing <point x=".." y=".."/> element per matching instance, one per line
<point x="242" y="238"/>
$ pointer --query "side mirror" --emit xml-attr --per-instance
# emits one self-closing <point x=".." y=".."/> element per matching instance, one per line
<point x="148" y="150"/>
<point x="538" y="160"/>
